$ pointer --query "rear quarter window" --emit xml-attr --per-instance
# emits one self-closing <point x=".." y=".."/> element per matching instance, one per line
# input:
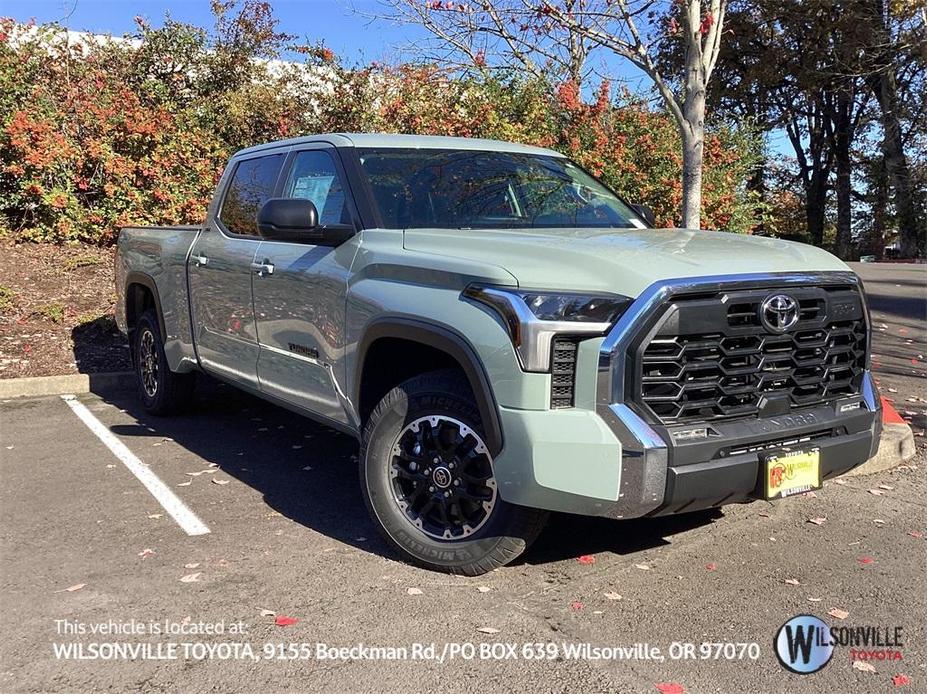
<point x="252" y="184"/>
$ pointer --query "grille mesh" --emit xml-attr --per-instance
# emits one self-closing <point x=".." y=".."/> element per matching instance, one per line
<point x="563" y="372"/>
<point x="727" y="367"/>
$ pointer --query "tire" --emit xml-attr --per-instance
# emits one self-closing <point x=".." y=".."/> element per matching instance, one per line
<point x="161" y="391"/>
<point x="434" y="416"/>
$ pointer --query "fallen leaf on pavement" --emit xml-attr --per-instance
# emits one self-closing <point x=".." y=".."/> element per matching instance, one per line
<point x="185" y="484"/>
<point x="837" y="613"/>
<point x="814" y="599"/>
<point x="487" y="630"/>
<point x="483" y="589"/>
<point x="155" y="515"/>
<point x="282" y="621"/>
<point x="916" y="533"/>
<point x="711" y="567"/>
<point x="901" y="680"/>
<point x="191" y="578"/>
<point x="792" y="581"/>
<point x="215" y="481"/>
<point x="811" y="495"/>
<point x="876" y="492"/>
<point x="866" y="560"/>
<point x="195" y="474"/>
<point x="863" y="666"/>
<point x="642" y="567"/>
<point x="576" y="605"/>
<point x="191" y="566"/>
<point x="586" y="559"/>
<point x="146" y="553"/>
<point x="886" y="486"/>
<point x="72" y="589"/>
<point x="414" y="591"/>
<point x="268" y="613"/>
<point x="817" y="521"/>
<point x="670" y="688"/>
<point x="611" y="595"/>
<point x="841" y="482"/>
<point x="878" y="521"/>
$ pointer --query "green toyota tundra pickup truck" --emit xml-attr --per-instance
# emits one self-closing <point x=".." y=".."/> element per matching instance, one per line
<point x="505" y="337"/>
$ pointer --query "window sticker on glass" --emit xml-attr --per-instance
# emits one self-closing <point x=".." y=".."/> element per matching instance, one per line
<point x="314" y="188"/>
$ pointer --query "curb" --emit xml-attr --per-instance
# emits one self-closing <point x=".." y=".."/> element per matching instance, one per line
<point x="895" y="446"/>
<point x="60" y="385"/>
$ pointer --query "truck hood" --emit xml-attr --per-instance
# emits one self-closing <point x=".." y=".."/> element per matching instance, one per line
<point x="624" y="261"/>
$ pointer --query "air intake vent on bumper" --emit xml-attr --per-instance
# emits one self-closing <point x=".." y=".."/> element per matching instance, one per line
<point x="562" y="372"/>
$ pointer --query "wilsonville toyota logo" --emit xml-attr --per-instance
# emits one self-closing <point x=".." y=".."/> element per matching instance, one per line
<point x="779" y="312"/>
<point x="803" y="644"/>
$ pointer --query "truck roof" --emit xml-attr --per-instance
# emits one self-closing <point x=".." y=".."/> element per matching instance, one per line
<point x="391" y="140"/>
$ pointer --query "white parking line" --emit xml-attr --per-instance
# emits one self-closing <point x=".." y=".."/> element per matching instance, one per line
<point x="185" y="518"/>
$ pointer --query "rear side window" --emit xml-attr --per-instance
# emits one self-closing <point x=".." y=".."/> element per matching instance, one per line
<point x="251" y="186"/>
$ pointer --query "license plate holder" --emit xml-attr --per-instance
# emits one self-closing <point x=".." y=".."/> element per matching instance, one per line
<point x="786" y="473"/>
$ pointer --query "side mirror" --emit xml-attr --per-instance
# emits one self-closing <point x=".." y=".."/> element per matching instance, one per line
<point x="646" y="214"/>
<point x="297" y="220"/>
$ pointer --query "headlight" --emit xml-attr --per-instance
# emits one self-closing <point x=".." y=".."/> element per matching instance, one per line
<point x="532" y="317"/>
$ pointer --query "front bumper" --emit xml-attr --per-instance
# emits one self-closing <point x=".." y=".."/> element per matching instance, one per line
<point x="616" y="465"/>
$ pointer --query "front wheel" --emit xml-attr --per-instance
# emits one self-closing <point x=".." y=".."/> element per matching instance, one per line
<point x="428" y="481"/>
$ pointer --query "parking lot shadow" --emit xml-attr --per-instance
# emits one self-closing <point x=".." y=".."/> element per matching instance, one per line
<point x="308" y="473"/>
<point x="304" y="470"/>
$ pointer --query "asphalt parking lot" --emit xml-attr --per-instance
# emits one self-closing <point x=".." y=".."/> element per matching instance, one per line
<point x="288" y="534"/>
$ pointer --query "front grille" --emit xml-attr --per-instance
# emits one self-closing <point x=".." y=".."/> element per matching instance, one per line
<point x="563" y="371"/>
<point x="711" y="358"/>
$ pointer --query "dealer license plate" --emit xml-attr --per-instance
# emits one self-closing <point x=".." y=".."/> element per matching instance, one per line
<point x="793" y="472"/>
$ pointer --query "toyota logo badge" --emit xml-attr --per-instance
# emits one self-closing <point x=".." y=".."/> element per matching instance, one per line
<point x="779" y="312"/>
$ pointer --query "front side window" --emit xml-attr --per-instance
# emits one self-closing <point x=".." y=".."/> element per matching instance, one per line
<point x="468" y="189"/>
<point x="251" y="186"/>
<point x="314" y="177"/>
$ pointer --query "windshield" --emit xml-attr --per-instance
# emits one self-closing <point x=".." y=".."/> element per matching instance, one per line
<point x="469" y="189"/>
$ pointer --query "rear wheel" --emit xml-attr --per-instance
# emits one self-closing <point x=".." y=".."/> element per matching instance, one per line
<point x="161" y="391"/>
<point x="428" y="480"/>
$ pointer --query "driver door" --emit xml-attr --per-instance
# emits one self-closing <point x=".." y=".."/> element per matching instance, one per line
<point x="300" y="292"/>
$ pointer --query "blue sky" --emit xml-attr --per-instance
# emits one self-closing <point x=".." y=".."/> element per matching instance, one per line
<point x="339" y="22"/>
<point x="346" y="26"/>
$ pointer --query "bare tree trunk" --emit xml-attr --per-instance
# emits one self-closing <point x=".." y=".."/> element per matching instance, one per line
<point x="816" y="207"/>
<point x="692" y="129"/>
<point x="911" y="226"/>
<point x="879" y="186"/>
<point x="843" y="166"/>
<point x="691" y="180"/>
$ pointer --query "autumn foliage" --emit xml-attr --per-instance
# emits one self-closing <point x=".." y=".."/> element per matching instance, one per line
<point x="99" y="134"/>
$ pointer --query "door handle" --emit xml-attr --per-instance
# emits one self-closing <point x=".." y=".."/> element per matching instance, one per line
<point x="262" y="269"/>
<point x="199" y="260"/>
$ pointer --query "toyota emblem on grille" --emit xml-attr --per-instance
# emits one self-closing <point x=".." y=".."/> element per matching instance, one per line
<point x="779" y="312"/>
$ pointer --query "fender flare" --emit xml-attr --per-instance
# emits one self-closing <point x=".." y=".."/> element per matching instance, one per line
<point x="136" y="277"/>
<point x="448" y="341"/>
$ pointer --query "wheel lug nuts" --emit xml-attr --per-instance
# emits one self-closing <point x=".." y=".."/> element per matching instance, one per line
<point x="436" y="460"/>
<point x="413" y="467"/>
<point x="431" y="489"/>
<point x="446" y="494"/>
<point x="456" y="483"/>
